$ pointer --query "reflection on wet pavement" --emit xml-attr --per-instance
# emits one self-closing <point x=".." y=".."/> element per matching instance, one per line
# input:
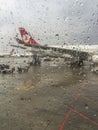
<point x="41" y="98"/>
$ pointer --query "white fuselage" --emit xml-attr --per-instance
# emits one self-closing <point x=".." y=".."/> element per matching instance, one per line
<point x="90" y="49"/>
<point x="84" y="48"/>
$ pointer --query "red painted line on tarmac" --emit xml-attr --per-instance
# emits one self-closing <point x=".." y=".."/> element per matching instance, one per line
<point x="65" y="121"/>
<point x="85" y="117"/>
<point x="67" y="116"/>
<point x="77" y="97"/>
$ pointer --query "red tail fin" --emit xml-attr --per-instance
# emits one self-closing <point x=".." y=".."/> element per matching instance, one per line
<point x="26" y="37"/>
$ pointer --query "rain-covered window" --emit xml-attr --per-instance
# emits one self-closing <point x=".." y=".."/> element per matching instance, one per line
<point x="48" y="65"/>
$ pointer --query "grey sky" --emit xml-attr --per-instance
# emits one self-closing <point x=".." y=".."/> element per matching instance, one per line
<point x="76" y="21"/>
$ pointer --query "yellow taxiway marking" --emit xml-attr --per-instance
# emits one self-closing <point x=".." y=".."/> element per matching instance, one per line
<point x="25" y="88"/>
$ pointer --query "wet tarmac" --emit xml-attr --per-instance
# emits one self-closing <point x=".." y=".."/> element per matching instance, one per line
<point x="49" y="97"/>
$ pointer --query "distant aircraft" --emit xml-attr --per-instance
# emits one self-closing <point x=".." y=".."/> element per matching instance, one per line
<point x="7" y="54"/>
<point x="82" y="52"/>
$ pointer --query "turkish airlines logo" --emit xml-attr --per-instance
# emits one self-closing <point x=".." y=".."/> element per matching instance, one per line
<point x="26" y="38"/>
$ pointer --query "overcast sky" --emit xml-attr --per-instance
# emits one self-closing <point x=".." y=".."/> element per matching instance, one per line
<point x="76" y="21"/>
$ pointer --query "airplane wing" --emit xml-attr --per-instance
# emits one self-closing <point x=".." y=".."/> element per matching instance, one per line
<point x="17" y="46"/>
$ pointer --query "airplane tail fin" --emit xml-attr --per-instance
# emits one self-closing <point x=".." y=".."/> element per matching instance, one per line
<point x="26" y="38"/>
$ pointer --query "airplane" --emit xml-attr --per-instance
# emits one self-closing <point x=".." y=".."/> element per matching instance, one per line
<point x="82" y="52"/>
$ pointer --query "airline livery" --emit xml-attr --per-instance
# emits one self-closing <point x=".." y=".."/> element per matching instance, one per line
<point x="80" y="51"/>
